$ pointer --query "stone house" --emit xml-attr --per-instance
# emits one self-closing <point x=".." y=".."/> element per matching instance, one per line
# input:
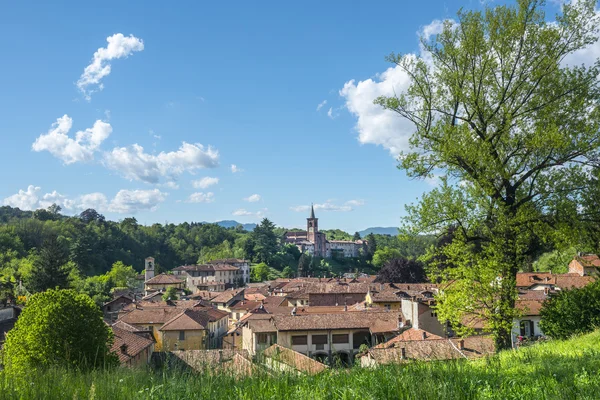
<point x="162" y="282"/>
<point x="585" y="264"/>
<point x="133" y="346"/>
<point x="325" y="337"/>
<point x="243" y="265"/>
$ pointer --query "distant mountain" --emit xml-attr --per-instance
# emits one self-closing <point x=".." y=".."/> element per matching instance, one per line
<point x="392" y="231"/>
<point x="233" y="224"/>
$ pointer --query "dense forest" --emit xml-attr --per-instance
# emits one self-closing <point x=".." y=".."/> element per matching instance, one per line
<point x="44" y="249"/>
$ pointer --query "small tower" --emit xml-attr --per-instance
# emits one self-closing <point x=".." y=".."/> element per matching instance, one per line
<point x="149" y="266"/>
<point x="312" y="225"/>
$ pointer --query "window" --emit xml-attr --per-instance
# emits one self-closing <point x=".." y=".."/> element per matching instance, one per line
<point x="299" y="340"/>
<point x="319" y="339"/>
<point x="342" y="338"/>
<point x="261" y="338"/>
<point x="433" y="314"/>
<point x="387" y="307"/>
<point x="181" y="335"/>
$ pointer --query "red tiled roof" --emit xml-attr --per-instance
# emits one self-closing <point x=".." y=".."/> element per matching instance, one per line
<point x="380" y="321"/>
<point x="193" y="319"/>
<point x="163" y="279"/>
<point x="296" y="360"/>
<point x="229" y="261"/>
<point x="128" y="344"/>
<point x="227" y="295"/>
<point x="155" y="315"/>
<point x="408" y="335"/>
<point x="589" y="260"/>
<point x="529" y="307"/>
<point x="436" y="349"/>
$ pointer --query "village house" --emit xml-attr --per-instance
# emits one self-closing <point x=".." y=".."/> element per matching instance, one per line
<point x="585" y="264"/>
<point x="207" y="323"/>
<point x="209" y="277"/>
<point x="428" y="350"/>
<point x="243" y="265"/>
<point x="226" y="299"/>
<point x="112" y="308"/>
<point x="336" y="293"/>
<point x="162" y="282"/>
<point x="324" y="337"/>
<point x="415" y="300"/>
<point x="133" y="346"/>
<point x="194" y="329"/>
<point x="550" y="281"/>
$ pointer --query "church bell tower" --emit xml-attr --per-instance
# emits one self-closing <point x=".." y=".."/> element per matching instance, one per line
<point x="312" y="225"/>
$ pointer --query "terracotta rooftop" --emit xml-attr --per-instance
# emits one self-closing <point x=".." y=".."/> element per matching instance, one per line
<point x="338" y="287"/>
<point x="529" y="307"/>
<point x="436" y="349"/>
<point x="155" y="315"/>
<point x="588" y="260"/>
<point x="193" y="319"/>
<point x="381" y="321"/>
<point x="205" y="295"/>
<point x="227" y="295"/>
<point x="408" y="335"/>
<point x="162" y="279"/>
<point x="563" y="281"/>
<point x="128" y="344"/>
<point x="245" y="305"/>
<point x="293" y="359"/>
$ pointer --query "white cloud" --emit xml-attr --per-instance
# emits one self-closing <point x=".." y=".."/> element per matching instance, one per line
<point x="355" y="203"/>
<point x="119" y="46"/>
<point x="131" y="201"/>
<point x="330" y="205"/>
<point x="374" y="124"/>
<point x="133" y="163"/>
<point x="200" y="197"/>
<point x="235" y="169"/>
<point x="170" y="185"/>
<point x="125" y="201"/>
<point x="82" y="148"/>
<point x="252" y="198"/>
<point x="24" y="199"/>
<point x="321" y="105"/>
<point x="205" y="182"/>
<point x="241" y="212"/>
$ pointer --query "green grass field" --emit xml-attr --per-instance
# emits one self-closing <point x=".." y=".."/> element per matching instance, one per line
<point x="553" y="370"/>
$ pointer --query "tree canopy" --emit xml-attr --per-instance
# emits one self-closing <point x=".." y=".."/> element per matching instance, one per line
<point x="512" y="132"/>
<point x="58" y="328"/>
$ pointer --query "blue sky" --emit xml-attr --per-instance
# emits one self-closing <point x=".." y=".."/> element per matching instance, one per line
<point x="239" y="82"/>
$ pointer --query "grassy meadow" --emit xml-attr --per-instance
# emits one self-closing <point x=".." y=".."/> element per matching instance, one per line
<point x="553" y="370"/>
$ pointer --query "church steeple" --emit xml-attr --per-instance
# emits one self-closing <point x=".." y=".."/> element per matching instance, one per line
<point x="312" y="211"/>
<point x="312" y="225"/>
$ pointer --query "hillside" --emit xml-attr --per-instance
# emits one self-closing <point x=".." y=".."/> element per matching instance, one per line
<point x="392" y="231"/>
<point x="554" y="370"/>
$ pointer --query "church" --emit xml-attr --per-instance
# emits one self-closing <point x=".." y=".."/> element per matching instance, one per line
<point x="316" y="244"/>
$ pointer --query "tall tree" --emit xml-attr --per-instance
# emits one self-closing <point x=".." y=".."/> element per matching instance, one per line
<point x="510" y="129"/>
<point x="371" y="246"/>
<point x="50" y="270"/>
<point x="265" y="241"/>
<point x="356" y="236"/>
<point x="402" y="270"/>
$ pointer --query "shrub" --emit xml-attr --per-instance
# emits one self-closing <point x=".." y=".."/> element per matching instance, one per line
<point x="58" y="328"/>
<point x="571" y="312"/>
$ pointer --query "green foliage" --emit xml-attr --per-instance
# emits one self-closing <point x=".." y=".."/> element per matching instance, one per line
<point x="571" y="312"/>
<point x="556" y="261"/>
<point x="50" y="268"/>
<point x="385" y="254"/>
<point x="121" y="275"/>
<point x="58" y="328"/>
<point x="265" y="241"/>
<point x="336" y="234"/>
<point x="553" y="371"/>
<point x="287" y="272"/>
<point x="260" y="272"/>
<point x="510" y="131"/>
<point x="170" y="294"/>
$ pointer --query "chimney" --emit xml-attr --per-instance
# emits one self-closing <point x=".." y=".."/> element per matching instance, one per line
<point x="424" y="335"/>
<point x="149" y="267"/>
<point x="294" y="312"/>
<point x="461" y="344"/>
<point x="546" y="291"/>
<point x="403" y="353"/>
<point x="381" y="287"/>
<point x="345" y="307"/>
